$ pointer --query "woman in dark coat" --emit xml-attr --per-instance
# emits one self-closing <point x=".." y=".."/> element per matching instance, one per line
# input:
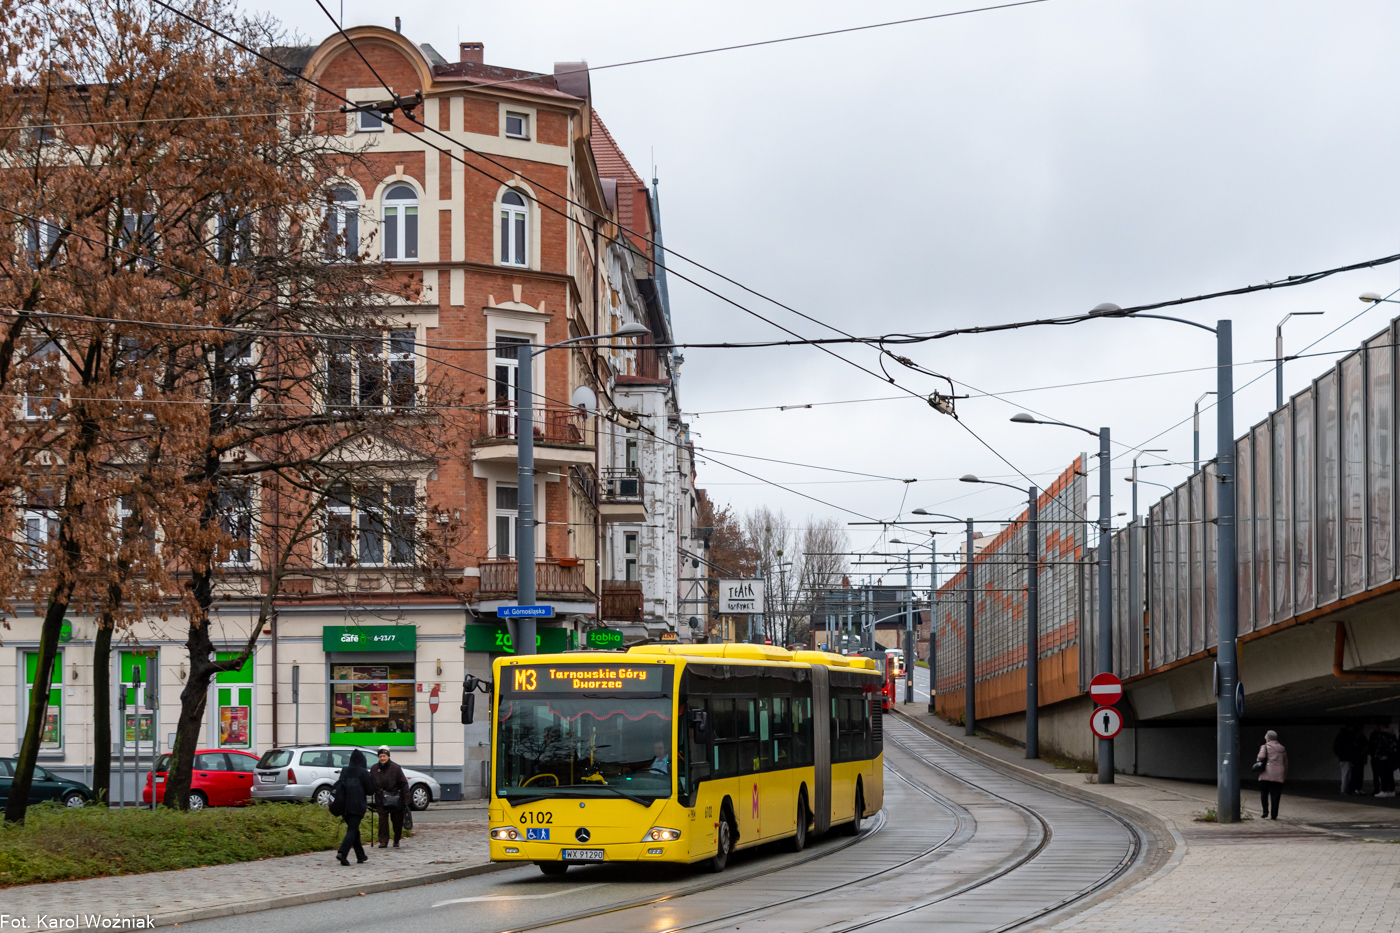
<point x="353" y="790"/>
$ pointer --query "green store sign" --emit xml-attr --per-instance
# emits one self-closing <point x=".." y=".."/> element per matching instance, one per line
<point x="369" y="638"/>
<point x="605" y="639"/>
<point x="496" y="639"/>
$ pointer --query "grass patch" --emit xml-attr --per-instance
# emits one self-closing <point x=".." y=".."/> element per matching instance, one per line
<point x="923" y="664"/>
<point x="62" y="843"/>
<point x="1209" y="817"/>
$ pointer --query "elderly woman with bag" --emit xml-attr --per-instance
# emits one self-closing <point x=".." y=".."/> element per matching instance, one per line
<point x="350" y="801"/>
<point x="1272" y="766"/>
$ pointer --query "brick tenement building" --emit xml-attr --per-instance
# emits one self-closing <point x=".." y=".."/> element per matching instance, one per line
<point x="525" y="243"/>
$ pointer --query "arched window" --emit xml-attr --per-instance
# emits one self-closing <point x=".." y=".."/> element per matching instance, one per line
<point x="400" y="223"/>
<point x="343" y="224"/>
<point x="513" y="229"/>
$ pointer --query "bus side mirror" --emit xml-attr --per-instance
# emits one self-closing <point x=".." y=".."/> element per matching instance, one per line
<point x="468" y="707"/>
<point x="700" y="723"/>
<point x="699" y="771"/>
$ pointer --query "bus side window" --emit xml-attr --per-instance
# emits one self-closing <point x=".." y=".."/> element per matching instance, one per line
<point x="802" y="731"/>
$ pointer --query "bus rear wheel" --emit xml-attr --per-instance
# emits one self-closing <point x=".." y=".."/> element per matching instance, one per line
<point x="724" y="843"/>
<point x="853" y="827"/>
<point x="799" y="839"/>
<point x="553" y="869"/>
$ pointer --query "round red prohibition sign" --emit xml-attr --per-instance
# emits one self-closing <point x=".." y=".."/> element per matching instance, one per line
<point x="433" y="700"/>
<point x="1106" y="722"/>
<point x="1105" y="689"/>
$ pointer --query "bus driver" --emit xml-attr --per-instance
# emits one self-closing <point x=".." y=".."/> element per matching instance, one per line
<point x="662" y="762"/>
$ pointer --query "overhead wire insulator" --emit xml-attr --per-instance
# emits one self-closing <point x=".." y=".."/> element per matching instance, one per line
<point x="942" y="404"/>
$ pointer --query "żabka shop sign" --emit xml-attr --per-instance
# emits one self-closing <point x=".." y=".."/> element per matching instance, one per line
<point x="369" y="638"/>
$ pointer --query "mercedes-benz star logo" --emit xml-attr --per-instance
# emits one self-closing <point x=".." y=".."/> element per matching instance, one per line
<point x="582" y="835"/>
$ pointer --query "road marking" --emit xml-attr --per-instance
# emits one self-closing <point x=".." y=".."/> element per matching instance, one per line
<point x="515" y="897"/>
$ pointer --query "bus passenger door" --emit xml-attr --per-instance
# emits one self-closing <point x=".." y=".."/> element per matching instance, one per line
<point x="748" y="803"/>
<point x="821" y="749"/>
<point x="778" y="798"/>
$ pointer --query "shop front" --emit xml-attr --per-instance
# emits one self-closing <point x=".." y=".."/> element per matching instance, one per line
<point x="372" y="684"/>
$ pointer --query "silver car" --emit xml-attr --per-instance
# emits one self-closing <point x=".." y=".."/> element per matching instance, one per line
<point x="308" y="773"/>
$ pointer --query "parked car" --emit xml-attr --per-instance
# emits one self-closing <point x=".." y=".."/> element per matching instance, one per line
<point x="308" y="772"/>
<point x="222" y="778"/>
<point x="46" y="786"/>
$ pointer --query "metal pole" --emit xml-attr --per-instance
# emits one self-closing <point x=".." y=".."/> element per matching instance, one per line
<point x="1033" y="625"/>
<point x="1278" y="365"/>
<point x="1227" y="787"/>
<point x="524" y="634"/>
<point x="932" y="629"/>
<point x="909" y="660"/>
<point x="121" y="767"/>
<point x="1196" y="432"/>
<point x="1105" y="628"/>
<point x="970" y="673"/>
<point x="296" y="702"/>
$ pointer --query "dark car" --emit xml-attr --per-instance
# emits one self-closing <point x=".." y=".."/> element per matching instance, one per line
<point x="46" y="786"/>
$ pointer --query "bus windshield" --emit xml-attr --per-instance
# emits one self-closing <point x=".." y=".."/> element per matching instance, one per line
<point x="584" y="746"/>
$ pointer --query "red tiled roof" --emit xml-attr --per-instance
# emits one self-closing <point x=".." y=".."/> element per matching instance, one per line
<point x="608" y="154"/>
<point x="520" y="80"/>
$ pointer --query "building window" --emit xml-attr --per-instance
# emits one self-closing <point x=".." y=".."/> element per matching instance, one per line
<point x="629" y="547"/>
<point x="41" y="384"/>
<point x="51" y="740"/>
<point x="369" y="121"/>
<point x="513" y="229"/>
<point x="39" y="238"/>
<point x="233" y="237"/>
<point x="343" y="224"/>
<point x="517" y="125"/>
<point x="509" y="353"/>
<point x="373" y="704"/>
<point x="233" y="703"/>
<point x="235" y="509"/>
<point x="631" y="453"/>
<point x="367" y="524"/>
<point x="507" y="503"/>
<point x="40" y="527"/>
<point x="138" y="238"/>
<point x="400" y="224"/>
<point x="235" y="372"/>
<point x="372" y="373"/>
<point x="139" y="724"/>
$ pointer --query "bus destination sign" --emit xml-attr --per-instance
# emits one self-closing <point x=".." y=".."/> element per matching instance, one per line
<point x="571" y="678"/>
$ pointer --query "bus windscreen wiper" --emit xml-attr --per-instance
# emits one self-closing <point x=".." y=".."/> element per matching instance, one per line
<point x="626" y="796"/>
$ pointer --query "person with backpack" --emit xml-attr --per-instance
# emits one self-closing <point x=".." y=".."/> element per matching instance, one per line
<point x="1385" y="755"/>
<point x="352" y="793"/>
<point x="1272" y="765"/>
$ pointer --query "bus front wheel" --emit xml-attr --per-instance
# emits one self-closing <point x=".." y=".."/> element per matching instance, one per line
<point x="853" y="827"/>
<point x="724" y="843"/>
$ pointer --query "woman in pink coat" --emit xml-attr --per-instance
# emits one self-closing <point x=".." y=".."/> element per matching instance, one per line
<point x="1274" y="757"/>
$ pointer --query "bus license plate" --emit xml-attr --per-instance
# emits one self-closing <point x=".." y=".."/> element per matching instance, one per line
<point x="583" y="855"/>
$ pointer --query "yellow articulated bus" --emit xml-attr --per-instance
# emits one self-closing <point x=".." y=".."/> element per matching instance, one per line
<point x="680" y="753"/>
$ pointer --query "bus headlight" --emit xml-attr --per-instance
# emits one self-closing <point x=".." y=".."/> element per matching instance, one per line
<point x="508" y="832"/>
<point x="661" y="835"/>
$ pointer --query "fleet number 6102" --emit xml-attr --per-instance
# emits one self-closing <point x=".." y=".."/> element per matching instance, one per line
<point x="529" y="817"/>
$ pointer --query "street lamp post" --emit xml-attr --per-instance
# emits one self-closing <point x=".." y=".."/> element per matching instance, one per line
<point x="1227" y="721"/>
<point x="1196" y="433"/>
<point x="1105" y="626"/>
<point x="1032" y="611"/>
<point x="970" y="671"/>
<point x="523" y="638"/>
<point x="1278" y="353"/>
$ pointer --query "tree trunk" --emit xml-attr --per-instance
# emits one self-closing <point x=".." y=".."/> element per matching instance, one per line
<point x="193" y="701"/>
<point x="102" y="714"/>
<point x="38" y="710"/>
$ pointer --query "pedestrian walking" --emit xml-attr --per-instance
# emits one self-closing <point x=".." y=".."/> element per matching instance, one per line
<point x="1385" y="755"/>
<point x="351" y="797"/>
<point x="1351" y="748"/>
<point x="390" y="796"/>
<point x="1272" y="765"/>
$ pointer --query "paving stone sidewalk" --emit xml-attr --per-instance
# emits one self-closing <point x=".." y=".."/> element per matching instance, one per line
<point x="438" y="851"/>
<point x="1318" y="869"/>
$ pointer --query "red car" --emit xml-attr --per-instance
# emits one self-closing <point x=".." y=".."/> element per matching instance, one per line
<point x="222" y="778"/>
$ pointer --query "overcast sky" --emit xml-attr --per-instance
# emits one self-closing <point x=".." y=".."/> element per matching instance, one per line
<point x="985" y="168"/>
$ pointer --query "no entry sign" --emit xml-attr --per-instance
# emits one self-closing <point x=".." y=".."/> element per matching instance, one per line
<point x="1105" y="689"/>
<point x="1106" y="722"/>
<point x="433" y="699"/>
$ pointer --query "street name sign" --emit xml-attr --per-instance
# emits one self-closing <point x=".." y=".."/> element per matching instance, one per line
<point x="1106" y="722"/>
<point x="524" y="612"/>
<point x="1105" y="689"/>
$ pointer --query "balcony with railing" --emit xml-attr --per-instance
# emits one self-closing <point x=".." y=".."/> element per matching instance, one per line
<point x="554" y="578"/>
<point x="561" y="434"/>
<point x="622" y="495"/>
<point x="621" y="601"/>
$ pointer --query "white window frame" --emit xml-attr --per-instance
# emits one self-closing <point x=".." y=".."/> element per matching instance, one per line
<point x="404" y="213"/>
<point x="139" y="235"/>
<point x="631" y="550"/>
<point x="41" y="407"/>
<point x="39" y="237"/>
<point x="365" y="121"/>
<point x="341" y="214"/>
<point x="45" y="751"/>
<point x="394" y="354"/>
<point x="524" y="119"/>
<point x="242" y="498"/>
<point x="514" y="230"/>
<point x="358" y="521"/>
<point x="240" y="367"/>
<point x="507" y="519"/>
<point x="44" y="521"/>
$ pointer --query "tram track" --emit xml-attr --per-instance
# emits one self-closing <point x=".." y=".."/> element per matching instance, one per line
<point x="962" y="831"/>
<point x="961" y="826"/>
